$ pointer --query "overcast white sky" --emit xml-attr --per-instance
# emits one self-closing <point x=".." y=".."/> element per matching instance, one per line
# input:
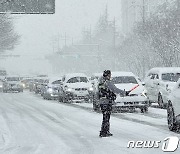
<point x="37" y="31"/>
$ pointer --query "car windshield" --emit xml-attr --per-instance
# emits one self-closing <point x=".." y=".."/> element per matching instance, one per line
<point x="57" y="82"/>
<point x="124" y="79"/>
<point x="13" y="79"/>
<point x="77" y="79"/>
<point x="46" y="81"/>
<point x="172" y="77"/>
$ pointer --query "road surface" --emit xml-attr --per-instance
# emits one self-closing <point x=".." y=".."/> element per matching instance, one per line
<point x="31" y="125"/>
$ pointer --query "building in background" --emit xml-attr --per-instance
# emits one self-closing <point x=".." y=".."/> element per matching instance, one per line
<point x="134" y="11"/>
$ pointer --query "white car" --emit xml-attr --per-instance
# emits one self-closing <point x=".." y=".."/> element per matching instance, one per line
<point x="136" y="99"/>
<point x="159" y="82"/>
<point x="3" y="74"/>
<point x="12" y="83"/>
<point x="75" y="87"/>
<point x="173" y="108"/>
<point x="1" y="85"/>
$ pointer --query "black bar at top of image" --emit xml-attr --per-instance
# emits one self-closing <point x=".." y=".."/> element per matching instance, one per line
<point x="27" y="6"/>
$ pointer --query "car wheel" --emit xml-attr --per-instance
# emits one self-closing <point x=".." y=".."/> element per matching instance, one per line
<point x="44" y="97"/>
<point x="144" y="109"/>
<point x="160" y="100"/>
<point x="64" y="100"/>
<point x="95" y="108"/>
<point x="60" y="99"/>
<point x="170" y="117"/>
<point x="131" y="109"/>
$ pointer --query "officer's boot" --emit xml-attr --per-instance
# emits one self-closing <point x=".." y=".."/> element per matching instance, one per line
<point x="109" y="134"/>
<point x="103" y="134"/>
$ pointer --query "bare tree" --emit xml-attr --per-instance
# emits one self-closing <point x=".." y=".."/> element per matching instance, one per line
<point x="8" y="38"/>
<point x="154" y="42"/>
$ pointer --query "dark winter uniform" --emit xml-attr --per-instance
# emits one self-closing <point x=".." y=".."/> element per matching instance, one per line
<point x="107" y="96"/>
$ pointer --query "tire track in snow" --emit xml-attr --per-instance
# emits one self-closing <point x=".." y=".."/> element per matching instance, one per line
<point x="84" y="143"/>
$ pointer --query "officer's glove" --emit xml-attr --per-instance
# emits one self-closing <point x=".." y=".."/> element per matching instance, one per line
<point x="127" y="93"/>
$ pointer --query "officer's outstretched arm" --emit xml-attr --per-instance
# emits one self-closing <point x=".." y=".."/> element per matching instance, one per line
<point x="114" y="89"/>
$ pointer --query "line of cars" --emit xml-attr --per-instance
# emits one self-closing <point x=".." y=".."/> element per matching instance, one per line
<point x="163" y="87"/>
<point x="11" y="83"/>
<point x="69" y="88"/>
<point x="76" y="87"/>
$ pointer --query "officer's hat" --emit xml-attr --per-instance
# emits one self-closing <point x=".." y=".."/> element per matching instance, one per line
<point x="106" y="73"/>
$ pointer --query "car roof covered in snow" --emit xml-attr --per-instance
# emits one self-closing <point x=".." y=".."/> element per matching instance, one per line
<point x="13" y="76"/>
<point x="52" y="79"/>
<point x="116" y="74"/>
<point x="97" y="74"/>
<point x="71" y="75"/>
<point x="164" y="70"/>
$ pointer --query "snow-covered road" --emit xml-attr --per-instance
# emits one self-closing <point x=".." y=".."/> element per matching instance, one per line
<point x="31" y="125"/>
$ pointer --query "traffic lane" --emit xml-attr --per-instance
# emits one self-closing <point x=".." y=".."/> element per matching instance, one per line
<point x="32" y="129"/>
<point x="77" y="130"/>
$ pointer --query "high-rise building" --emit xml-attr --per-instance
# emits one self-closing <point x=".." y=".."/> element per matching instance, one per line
<point x="134" y="11"/>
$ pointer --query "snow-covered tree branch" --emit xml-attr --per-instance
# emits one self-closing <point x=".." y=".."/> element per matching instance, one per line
<point x="8" y="38"/>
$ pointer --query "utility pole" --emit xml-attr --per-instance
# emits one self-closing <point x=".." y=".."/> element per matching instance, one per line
<point x="87" y="34"/>
<point x="143" y="11"/>
<point x="114" y="34"/>
<point x="114" y="43"/>
<point x="65" y="39"/>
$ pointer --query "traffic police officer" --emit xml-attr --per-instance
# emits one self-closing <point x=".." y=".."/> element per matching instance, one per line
<point x="107" y="94"/>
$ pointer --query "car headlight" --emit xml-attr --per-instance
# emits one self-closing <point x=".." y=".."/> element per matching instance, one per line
<point x="50" y="90"/>
<point x="69" y="89"/>
<point x="1" y="86"/>
<point x="91" y="89"/>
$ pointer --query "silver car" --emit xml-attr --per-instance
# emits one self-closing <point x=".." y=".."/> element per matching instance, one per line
<point x="51" y="90"/>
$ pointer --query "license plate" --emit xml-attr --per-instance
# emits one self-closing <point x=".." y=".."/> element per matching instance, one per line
<point x="131" y="103"/>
